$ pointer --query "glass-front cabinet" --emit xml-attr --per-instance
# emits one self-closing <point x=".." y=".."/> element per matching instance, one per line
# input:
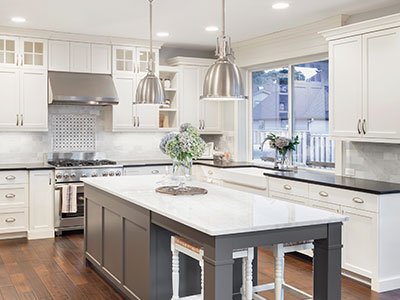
<point x="8" y="51"/>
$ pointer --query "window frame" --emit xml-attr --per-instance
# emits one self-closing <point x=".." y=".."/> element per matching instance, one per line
<point x="290" y="64"/>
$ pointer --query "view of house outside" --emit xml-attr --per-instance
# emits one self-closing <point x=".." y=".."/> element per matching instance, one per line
<point x="309" y="110"/>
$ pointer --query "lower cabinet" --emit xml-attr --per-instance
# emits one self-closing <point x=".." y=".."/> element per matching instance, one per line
<point x="117" y="242"/>
<point x="147" y="170"/>
<point x="359" y="241"/>
<point x="41" y="204"/>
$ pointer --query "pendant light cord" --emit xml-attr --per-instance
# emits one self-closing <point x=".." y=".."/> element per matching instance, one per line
<point x="151" y="59"/>
<point x="223" y="17"/>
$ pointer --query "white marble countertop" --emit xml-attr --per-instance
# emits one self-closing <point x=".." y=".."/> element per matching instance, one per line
<point x="222" y="211"/>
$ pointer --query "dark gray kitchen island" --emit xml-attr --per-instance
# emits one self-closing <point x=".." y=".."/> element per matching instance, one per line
<point x="128" y="225"/>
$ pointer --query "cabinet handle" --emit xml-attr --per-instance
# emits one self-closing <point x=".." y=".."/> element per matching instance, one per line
<point x="17" y="120"/>
<point x="204" y="124"/>
<point x="358" y="200"/>
<point x="10" y="196"/>
<point x="364" y="126"/>
<point x="155" y="172"/>
<point x="10" y="220"/>
<point x="199" y="124"/>
<point x="138" y="121"/>
<point x="287" y="187"/>
<point x="10" y="177"/>
<point x="359" y="126"/>
<point x="134" y="121"/>
<point x="323" y="194"/>
<point x="22" y="120"/>
<point x="210" y="172"/>
<point x="22" y="60"/>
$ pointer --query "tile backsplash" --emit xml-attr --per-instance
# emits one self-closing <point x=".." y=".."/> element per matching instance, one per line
<point x="373" y="161"/>
<point x="21" y="147"/>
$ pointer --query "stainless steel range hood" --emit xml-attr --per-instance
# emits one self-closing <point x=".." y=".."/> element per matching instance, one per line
<point x="81" y="89"/>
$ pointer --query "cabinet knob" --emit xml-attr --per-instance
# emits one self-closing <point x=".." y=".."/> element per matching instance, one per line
<point x="358" y="200"/>
<point x="10" y="196"/>
<point x="287" y="187"/>
<point x="210" y="172"/>
<point x="10" y="177"/>
<point x="10" y="220"/>
<point x="155" y="172"/>
<point x="323" y="194"/>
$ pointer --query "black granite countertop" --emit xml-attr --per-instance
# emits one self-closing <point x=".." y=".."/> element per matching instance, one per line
<point x="317" y="177"/>
<point x="25" y="167"/>
<point x="145" y="163"/>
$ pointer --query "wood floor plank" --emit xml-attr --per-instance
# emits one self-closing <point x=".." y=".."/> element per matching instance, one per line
<point x="9" y="292"/>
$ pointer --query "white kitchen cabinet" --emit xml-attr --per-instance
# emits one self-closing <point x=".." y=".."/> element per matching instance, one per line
<point x="9" y="51"/>
<point x="24" y="99"/>
<point x="33" y="100"/>
<point x="209" y="111"/>
<point x="205" y="115"/>
<point x="101" y="58"/>
<point x="41" y="204"/>
<point x="345" y="81"/>
<point x="147" y="170"/>
<point x="146" y="116"/>
<point x="380" y="77"/>
<point x="142" y="55"/>
<point x="80" y="57"/>
<point x="359" y="241"/>
<point x="59" y="56"/>
<point x="124" y="60"/>
<point x="363" y="77"/>
<point x="9" y="98"/>
<point x="33" y="53"/>
<point x="123" y="112"/>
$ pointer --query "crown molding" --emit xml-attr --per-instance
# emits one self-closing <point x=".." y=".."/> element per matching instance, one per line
<point x="190" y="61"/>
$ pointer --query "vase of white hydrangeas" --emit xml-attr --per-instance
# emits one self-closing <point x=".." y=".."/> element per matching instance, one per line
<point x="183" y="147"/>
<point x="283" y="146"/>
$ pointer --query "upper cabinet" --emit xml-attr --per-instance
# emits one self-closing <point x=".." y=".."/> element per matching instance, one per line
<point x="128" y="70"/>
<point x="205" y="115"/>
<point x="364" y="101"/>
<point x="23" y="77"/>
<point x="79" y="57"/>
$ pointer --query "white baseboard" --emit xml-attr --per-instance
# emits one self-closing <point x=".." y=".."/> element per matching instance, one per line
<point x="13" y="235"/>
<point x="385" y="285"/>
<point x="40" y="234"/>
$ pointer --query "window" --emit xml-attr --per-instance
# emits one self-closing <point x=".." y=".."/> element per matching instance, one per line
<point x="293" y="107"/>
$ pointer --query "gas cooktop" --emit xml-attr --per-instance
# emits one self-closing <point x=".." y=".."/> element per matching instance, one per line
<point x="81" y="163"/>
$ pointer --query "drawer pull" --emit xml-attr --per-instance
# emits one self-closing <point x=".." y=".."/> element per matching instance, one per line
<point x="323" y="194"/>
<point x="210" y="172"/>
<point x="10" y="177"/>
<point x="10" y="196"/>
<point x="358" y="200"/>
<point x="10" y="220"/>
<point x="287" y="187"/>
<point x="155" y="172"/>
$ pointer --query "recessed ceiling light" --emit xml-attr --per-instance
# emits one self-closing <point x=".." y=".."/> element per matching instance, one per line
<point x="212" y="28"/>
<point x="18" y="19"/>
<point x="162" y="34"/>
<point x="280" y="5"/>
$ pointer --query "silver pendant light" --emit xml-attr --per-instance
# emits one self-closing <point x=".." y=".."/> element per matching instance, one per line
<point x="223" y="80"/>
<point x="150" y="90"/>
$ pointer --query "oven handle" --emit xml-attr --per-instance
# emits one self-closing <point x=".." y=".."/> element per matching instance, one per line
<point x="60" y="185"/>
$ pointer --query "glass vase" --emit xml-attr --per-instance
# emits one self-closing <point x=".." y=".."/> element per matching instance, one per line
<point x="284" y="160"/>
<point x="182" y="172"/>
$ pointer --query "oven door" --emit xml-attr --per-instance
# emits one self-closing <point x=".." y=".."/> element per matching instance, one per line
<point x="69" y="220"/>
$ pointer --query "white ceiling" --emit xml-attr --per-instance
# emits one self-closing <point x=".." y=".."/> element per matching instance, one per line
<point x="185" y="20"/>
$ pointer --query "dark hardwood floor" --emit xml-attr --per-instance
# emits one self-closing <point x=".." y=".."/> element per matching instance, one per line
<point x="55" y="269"/>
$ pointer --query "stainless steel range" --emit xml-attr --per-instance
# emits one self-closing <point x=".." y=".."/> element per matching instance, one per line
<point x="69" y="194"/>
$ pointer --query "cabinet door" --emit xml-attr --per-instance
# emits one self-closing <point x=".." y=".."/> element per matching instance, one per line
<point x="9" y="51"/>
<point x="33" y="91"/>
<point x="325" y="206"/>
<point x="189" y="95"/>
<point x="345" y="80"/>
<point x="41" y="204"/>
<point x="147" y="116"/>
<point x="381" y="96"/>
<point x="123" y="112"/>
<point x="359" y="241"/>
<point x="124" y="60"/>
<point x="9" y="98"/>
<point x="34" y="53"/>
<point x="210" y="111"/>
<point x="59" y="56"/>
<point x="80" y="57"/>
<point x="101" y="59"/>
<point x="142" y="60"/>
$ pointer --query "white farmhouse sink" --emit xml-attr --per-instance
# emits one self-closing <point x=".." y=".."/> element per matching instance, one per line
<point x="252" y="177"/>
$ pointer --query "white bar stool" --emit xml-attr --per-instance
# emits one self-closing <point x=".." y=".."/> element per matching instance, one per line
<point x="181" y="245"/>
<point x="279" y="285"/>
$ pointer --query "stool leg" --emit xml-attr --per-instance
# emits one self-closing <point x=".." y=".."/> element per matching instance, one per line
<point x="279" y="264"/>
<point x="175" y="275"/>
<point x="249" y="274"/>
<point x="244" y="268"/>
<point x="201" y="263"/>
